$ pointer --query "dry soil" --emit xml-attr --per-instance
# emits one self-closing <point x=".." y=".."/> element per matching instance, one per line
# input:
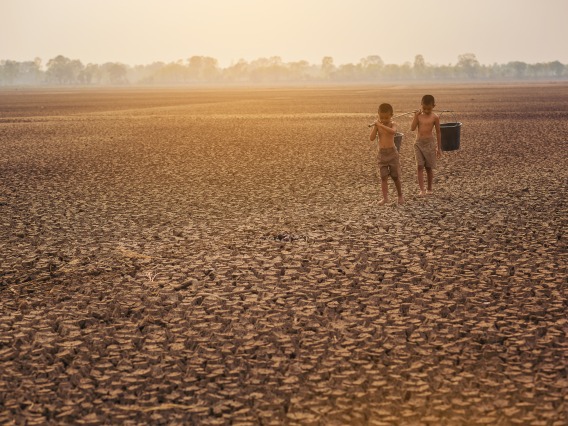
<point x="218" y="256"/>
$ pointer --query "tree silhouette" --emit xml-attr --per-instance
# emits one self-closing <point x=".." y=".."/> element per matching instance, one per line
<point x="327" y="67"/>
<point x="557" y="68"/>
<point x="204" y="69"/>
<point x="469" y="64"/>
<point x="90" y="74"/>
<point x="419" y="66"/>
<point x="64" y="70"/>
<point x="236" y="72"/>
<point x="116" y="72"/>
<point x="371" y="67"/>
<point x="517" y="68"/>
<point x="10" y="71"/>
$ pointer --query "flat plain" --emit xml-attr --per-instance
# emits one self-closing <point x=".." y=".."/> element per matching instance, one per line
<point x="218" y="256"/>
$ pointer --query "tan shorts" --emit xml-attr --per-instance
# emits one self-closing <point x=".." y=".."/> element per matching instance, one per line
<point x="389" y="162"/>
<point x="425" y="152"/>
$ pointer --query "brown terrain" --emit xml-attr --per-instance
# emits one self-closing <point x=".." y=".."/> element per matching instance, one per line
<point x="218" y="256"/>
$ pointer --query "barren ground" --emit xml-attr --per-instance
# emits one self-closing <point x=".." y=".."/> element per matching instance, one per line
<point x="218" y="257"/>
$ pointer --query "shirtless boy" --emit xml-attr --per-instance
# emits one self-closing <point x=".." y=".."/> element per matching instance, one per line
<point x="389" y="160"/>
<point x="426" y="149"/>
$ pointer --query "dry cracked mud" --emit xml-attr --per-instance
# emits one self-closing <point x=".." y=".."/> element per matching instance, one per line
<point x="218" y="256"/>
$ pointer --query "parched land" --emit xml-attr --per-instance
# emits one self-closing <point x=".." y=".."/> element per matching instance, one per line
<point x="218" y="256"/>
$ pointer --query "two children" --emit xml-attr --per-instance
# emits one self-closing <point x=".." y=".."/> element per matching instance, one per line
<point x="426" y="148"/>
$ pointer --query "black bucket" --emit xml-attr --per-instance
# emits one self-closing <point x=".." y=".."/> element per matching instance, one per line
<point x="450" y="136"/>
<point x="398" y="140"/>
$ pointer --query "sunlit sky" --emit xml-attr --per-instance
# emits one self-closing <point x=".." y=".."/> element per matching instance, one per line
<point x="144" y="31"/>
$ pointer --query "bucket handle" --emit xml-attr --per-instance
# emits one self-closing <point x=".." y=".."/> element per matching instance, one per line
<point x="451" y="111"/>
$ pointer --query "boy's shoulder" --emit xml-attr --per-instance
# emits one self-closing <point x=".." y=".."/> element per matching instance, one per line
<point x="432" y="116"/>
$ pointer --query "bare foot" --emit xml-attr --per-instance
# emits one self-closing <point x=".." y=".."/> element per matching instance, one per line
<point x="383" y="202"/>
<point x="421" y="194"/>
<point x="429" y="192"/>
<point x="400" y="200"/>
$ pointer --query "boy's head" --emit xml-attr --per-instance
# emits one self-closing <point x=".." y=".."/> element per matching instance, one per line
<point x="385" y="112"/>
<point x="428" y="103"/>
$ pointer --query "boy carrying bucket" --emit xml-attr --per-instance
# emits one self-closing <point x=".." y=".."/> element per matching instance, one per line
<point x="389" y="160"/>
<point x="426" y="150"/>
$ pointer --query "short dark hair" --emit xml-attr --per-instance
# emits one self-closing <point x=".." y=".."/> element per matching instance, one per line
<point x="428" y="100"/>
<point x="386" y="108"/>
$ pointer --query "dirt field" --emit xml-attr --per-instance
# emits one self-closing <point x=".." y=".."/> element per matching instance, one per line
<point x="219" y="257"/>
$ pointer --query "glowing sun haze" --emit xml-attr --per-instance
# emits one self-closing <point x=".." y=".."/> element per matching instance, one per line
<point x="145" y="31"/>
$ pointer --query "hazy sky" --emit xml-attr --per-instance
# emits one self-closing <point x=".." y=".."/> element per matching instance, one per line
<point x="145" y="31"/>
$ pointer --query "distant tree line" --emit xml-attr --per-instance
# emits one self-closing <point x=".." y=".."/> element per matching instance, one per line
<point x="205" y="70"/>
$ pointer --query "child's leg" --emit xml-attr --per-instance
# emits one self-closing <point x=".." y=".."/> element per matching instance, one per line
<point x="430" y="178"/>
<point x="421" y="179"/>
<point x="398" y="190"/>
<point x="385" y="190"/>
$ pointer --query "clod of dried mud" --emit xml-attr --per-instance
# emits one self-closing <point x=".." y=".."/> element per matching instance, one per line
<point x="219" y="257"/>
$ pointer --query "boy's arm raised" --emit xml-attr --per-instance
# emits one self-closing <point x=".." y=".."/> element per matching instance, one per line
<point x="387" y="129"/>
<point x="373" y="134"/>
<point x="414" y="124"/>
